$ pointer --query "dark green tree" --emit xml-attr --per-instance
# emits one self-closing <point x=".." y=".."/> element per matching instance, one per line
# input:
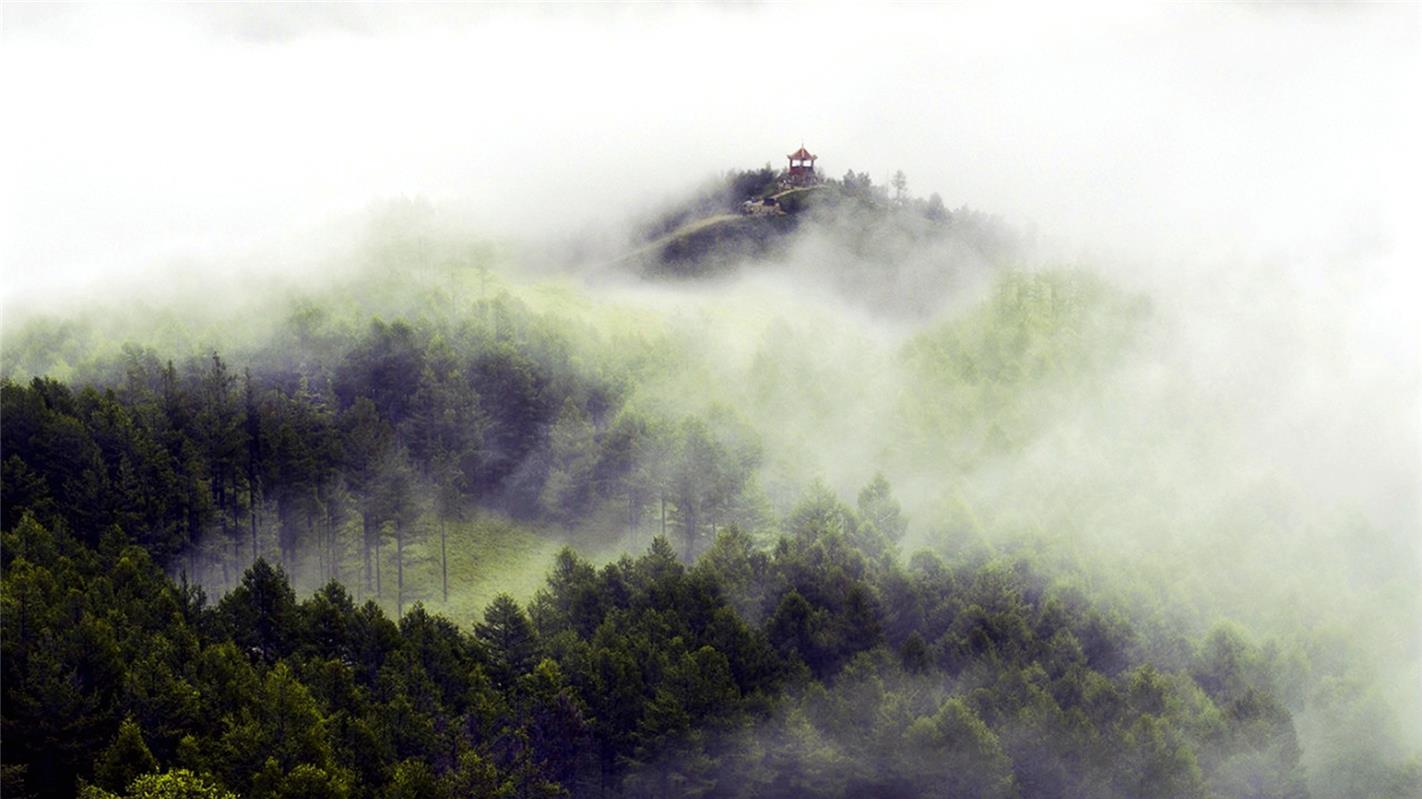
<point x="508" y="640"/>
<point x="126" y="759"/>
<point x="260" y="615"/>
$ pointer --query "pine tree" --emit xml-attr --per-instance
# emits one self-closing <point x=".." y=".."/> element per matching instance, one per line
<point x="508" y="639"/>
<point x="125" y="760"/>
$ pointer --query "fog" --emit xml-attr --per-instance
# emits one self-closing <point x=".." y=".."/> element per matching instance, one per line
<point x="1246" y="174"/>
<point x="143" y="133"/>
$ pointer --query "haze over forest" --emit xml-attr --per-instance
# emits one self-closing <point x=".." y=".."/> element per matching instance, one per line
<point x="396" y="401"/>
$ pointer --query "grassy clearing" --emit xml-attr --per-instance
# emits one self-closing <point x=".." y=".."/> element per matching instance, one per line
<point x="487" y="556"/>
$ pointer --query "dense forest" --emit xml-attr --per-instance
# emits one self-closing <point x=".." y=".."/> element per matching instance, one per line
<point x="237" y="553"/>
<point x="822" y="667"/>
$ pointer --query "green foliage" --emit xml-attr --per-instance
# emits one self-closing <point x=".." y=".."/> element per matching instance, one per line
<point x="720" y="196"/>
<point x="879" y="510"/>
<point x="991" y="376"/>
<point x="336" y="447"/>
<point x="127" y="759"/>
<point x="957" y="750"/>
<point x="638" y="678"/>
<point x="508" y="640"/>
<point x="176" y="785"/>
<point x="743" y="654"/>
<point x="413" y="779"/>
<point x="260" y="614"/>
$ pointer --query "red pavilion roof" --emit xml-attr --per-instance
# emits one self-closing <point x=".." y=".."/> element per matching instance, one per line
<point x="801" y="155"/>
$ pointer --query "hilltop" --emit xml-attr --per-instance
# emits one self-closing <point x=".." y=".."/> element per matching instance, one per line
<point x="758" y="216"/>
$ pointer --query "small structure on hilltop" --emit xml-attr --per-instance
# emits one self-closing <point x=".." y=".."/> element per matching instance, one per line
<point x="768" y="206"/>
<point x="802" y="169"/>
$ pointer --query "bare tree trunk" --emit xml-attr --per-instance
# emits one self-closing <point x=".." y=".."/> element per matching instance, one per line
<point x="234" y="521"/>
<point x="331" y="542"/>
<point x="443" y="561"/>
<point x="254" y="526"/>
<point x="311" y="533"/>
<point x="365" y="546"/>
<point x="253" y="499"/>
<point x="399" y="569"/>
<point x="329" y="573"/>
<point x="689" y="518"/>
<point x="320" y="532"/>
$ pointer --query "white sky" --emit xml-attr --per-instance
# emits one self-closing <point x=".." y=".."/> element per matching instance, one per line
<point x="132" y="134"/>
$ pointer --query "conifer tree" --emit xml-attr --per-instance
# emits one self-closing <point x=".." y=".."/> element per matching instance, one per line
<point x="125" y="760"/>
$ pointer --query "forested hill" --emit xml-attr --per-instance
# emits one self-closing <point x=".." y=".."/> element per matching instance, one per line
<point x="820" y="668"/>
<point x="347" y="451"/>
<point x="270" y="561"/>
<point x="882" y="229"/>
